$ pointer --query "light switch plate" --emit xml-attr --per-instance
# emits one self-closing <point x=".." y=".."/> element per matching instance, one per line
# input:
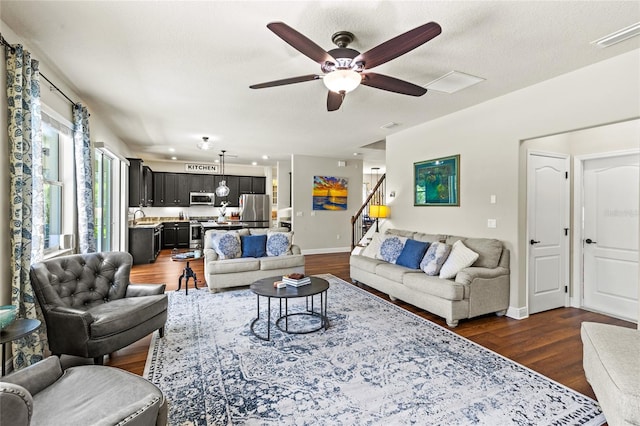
<point x="491" y="223"/>
<point x="492" y="199"/>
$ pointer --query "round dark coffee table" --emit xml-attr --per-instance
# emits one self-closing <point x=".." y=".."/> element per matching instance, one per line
<point x="265" y="288"/>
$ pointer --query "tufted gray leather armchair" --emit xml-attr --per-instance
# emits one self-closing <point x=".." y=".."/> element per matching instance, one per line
<point x="44" y="394"/>
<point x="90" y="308"/>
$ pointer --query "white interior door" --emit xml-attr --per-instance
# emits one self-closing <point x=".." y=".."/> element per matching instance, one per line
<point x="548" y="229"/>
<point x="610" y="235"/>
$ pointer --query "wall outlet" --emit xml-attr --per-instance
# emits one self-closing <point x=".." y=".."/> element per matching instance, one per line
<point x="298" y="213"/>
<point x="491" y="223"/>
<point x="338" y="237"/>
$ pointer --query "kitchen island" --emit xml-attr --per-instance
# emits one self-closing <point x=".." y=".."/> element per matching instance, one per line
<point x="145" y="242"/>
<point x="224" y="226"/>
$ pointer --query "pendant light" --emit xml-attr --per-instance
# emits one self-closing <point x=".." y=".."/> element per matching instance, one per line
<point x="205" y="145"/>
<point x="222" y="190"/>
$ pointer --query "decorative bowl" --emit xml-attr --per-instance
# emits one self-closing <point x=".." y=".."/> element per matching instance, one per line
<point x="7" y="315"/>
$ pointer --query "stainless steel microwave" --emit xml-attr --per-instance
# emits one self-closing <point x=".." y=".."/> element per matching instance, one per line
<point x="202" y="198"/>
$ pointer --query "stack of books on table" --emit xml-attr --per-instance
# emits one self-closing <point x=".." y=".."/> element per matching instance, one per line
<point x="296" y="280"/>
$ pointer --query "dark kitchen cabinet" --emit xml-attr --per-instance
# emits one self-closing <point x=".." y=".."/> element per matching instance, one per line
<point x="158" y="190"/>
<point x="245" y="185"/>
<point x="140" y="184"/>
<point x="136" y="183"/>
<point x="258" y="185"/>
<point x="175" y="235"/>
<point x="147" y="186"/>
<point x="176" y="190"/>
<point x="202" y="183"/>
<point x="251" y="185"/>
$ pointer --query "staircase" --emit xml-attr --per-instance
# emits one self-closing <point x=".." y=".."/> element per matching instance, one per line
<point x="361" y="222"/>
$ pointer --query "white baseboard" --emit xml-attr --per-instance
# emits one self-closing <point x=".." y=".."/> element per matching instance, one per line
<point x="518" y="313"/>
<point x="327" y="250"/>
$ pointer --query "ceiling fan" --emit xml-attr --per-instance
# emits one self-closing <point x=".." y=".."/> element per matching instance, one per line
<point x="345" y="69"/>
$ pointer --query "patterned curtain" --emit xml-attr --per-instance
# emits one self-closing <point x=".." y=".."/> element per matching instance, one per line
<point x="84" y="179"/>
<point x="27" y="211"/>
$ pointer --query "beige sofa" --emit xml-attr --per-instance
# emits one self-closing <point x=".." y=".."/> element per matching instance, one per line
<point x="477" y="290"/>
<point x="242" y="271"/>
<point x="611" y="360"/>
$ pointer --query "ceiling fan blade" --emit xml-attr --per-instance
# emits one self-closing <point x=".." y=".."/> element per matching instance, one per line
<point x="284" y="81"/>
<point x="300" y="42"/>
<point x="334" y="100"/>
<point x="392" y="84"/>
<point x="398" y="45"/>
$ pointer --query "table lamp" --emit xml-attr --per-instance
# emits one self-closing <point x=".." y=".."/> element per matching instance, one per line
<point x="377" y="212"/>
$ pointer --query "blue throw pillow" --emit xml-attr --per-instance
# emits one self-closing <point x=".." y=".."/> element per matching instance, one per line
<point x="412" y="254"/>
<point x="254" y="245"/>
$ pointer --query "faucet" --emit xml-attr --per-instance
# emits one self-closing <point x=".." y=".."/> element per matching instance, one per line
<point x="134" y="215"/>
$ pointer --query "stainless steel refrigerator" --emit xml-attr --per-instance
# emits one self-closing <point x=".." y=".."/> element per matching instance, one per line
<point x="255" y="210"/>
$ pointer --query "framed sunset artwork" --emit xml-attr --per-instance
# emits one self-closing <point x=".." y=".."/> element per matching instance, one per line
<point x="330" y="193"/>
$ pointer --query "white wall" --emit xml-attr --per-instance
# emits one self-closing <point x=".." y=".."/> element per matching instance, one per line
<point x="323" y="231"/>
<point x="488" y="136"/>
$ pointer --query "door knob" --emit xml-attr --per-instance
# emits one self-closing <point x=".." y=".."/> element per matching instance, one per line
<point x="589" y="241"/>
<point x="532" y="242"/>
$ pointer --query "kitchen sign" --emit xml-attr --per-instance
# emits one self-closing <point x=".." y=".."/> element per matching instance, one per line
<point x="201" y="168"/>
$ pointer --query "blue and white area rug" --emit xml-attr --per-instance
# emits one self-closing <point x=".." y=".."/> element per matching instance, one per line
<point x="377" y="364"/>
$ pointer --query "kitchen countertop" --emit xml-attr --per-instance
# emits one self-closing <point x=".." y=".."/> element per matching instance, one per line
<point x="213" y="224"/>
<point x="145" y="225"/>
<point x="153" y="222"/>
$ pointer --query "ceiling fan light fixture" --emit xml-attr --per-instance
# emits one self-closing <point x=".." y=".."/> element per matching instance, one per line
<point x="340" y="81"/>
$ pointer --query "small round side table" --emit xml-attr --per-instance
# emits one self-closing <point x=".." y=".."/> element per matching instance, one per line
<point x="17" y="329"/>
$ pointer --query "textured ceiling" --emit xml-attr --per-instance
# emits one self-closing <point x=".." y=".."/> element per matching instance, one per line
<point x="164" y="74"/>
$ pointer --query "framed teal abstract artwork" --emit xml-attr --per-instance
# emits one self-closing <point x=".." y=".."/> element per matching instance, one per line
<point x="437" y="182"/>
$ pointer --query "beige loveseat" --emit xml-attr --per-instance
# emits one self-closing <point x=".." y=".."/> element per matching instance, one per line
<point x="611" y="357"/>
<point x="479" y="289"/>
<point x="241" y="271"/>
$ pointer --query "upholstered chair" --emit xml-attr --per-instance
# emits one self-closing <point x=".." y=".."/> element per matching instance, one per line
<point x="44" y="394"/>
<point x="90" y="308"/>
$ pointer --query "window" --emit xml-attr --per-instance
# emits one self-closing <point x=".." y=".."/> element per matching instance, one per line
<point x="57" y="176"/>
<point x="53" y="186"/>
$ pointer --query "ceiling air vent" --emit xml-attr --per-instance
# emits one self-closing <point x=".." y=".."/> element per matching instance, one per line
<point x="453" y="82"/>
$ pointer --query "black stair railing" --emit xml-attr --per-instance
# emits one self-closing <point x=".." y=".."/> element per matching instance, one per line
<point x="361" y="222"/>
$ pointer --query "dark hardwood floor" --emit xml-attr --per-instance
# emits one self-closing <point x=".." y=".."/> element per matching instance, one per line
<point x="548" y="342"/>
